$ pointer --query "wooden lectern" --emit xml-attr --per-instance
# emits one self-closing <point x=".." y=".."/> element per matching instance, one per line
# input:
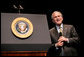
<point x="23" y="53"/>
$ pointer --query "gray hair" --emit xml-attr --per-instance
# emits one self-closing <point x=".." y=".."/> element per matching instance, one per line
<point x="54" y="12"/>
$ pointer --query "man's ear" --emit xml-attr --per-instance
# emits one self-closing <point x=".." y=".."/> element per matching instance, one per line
<point x="62" y="19"/>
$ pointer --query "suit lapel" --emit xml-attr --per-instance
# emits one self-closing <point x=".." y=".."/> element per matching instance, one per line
<point x="64" y="30"/>
<point x="56" y="34"/>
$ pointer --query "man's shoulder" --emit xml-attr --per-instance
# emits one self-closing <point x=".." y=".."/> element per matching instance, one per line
<point x="52" y="29"/>
<point x="68" y="25"/>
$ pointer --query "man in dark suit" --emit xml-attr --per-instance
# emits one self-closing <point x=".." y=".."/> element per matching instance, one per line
<point x="64" y="37"/>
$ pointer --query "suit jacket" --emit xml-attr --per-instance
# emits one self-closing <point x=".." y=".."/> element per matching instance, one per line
<point x="69" y="49"/>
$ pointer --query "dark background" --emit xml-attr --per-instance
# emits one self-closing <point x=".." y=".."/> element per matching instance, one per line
<point x="69" y="8"/>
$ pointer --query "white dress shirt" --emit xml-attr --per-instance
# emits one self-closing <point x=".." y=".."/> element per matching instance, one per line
<point x="58" y="28"/>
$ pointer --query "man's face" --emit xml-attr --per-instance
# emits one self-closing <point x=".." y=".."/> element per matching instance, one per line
<point x="57" y="18"/>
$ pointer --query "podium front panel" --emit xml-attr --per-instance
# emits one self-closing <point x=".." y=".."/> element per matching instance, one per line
<point x="38" y="41"/>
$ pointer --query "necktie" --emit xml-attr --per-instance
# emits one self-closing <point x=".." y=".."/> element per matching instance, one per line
<point x="60" y="31"/>
<point x="60" y="34"/>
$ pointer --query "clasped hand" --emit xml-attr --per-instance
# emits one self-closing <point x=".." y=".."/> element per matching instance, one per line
<point x="61" y="41"/>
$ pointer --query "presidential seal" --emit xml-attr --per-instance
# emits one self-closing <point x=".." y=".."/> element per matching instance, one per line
<point x="22" y="27"/>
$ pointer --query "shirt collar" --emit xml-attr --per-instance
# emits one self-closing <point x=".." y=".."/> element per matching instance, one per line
<point x="60" y="26"/>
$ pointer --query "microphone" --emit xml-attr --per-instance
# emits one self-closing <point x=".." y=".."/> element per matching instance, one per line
<point x="20" y="7"/>
<point x="15" y="6"/>
<point x="60" y="34"/>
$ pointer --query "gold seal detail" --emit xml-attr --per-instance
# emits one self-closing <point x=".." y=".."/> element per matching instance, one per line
<point x="22" y="27"/>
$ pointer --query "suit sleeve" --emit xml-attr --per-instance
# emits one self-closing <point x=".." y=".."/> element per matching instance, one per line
<point x="74" y="38"/>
